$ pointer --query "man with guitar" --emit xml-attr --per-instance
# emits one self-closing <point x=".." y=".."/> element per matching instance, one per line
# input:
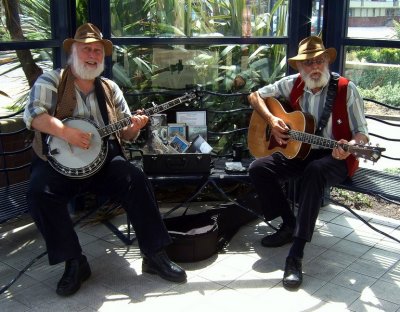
<point x="335" y="105"/>
<point x="78" y="92"/>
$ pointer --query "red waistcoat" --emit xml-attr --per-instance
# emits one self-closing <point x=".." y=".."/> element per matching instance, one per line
<point x="340" y="118"/>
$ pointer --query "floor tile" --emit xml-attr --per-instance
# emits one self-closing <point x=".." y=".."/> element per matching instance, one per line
<point x="346" y="268"/>
<point x="353" y="280"/>
<point x="333" y="293"/>
<point x="387" y="291"/>
<point x="369" y="268"/>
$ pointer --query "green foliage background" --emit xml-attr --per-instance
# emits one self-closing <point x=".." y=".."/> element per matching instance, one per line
<point x="376" y="80"/>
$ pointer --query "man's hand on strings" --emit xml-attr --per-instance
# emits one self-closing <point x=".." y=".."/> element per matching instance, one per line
<point x="77" y="137"/>
<point x="338" y="152"/>
<point x="139" y="120"/>
<point x="279" y="130"/>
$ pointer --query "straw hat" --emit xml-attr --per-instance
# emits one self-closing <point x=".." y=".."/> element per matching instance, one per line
<point x="309" y="48"/>
<point x="88" y="33"/>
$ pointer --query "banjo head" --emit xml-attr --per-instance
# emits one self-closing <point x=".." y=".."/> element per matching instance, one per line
<point x="72" y="160"/>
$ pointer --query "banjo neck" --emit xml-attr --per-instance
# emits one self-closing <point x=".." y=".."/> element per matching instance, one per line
<point x="114" y="127"/>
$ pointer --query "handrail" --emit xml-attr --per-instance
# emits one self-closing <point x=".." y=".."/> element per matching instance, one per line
<point x="3" y="154"/>
<point x="229" y="111"/>
<point x="20" y="151"/>
<point x="227" y="132"/>
<point x="8" y="169"/>
<point x="384" y="138"/>
<point x="382" y="121"/>
<point x="380" y="103"/>
<point x="4" y="134"/>
<point x="13" y="114"/>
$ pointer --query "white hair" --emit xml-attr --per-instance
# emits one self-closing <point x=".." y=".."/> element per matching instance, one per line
<point x="80" y="69"/>
<point x="312" y="83"/>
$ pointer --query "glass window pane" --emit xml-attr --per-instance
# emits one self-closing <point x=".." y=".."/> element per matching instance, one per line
<point x="181" y="18"/>
<point x="376" y="72"/>
<point x="317" y="17"/>
<point x="158" y="74"/>
<point x="214" y="67"/>
<point x="14" y="78"/>
<point x="82" y="12"/>
<point x="28" y="21"/>
<point x="374" y="19"/>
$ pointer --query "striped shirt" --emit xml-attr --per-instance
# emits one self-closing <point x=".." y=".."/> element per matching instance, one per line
<point x="43" y="99"/>
<point x="314" y="103"/>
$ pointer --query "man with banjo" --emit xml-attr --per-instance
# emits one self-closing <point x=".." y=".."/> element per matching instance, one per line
<point x="338" y="110"/>
<point x="78" y="91"/>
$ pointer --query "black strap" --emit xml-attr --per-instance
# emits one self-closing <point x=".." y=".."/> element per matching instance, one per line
<point x="101" y="99"/>
<point x="330" y="97"/>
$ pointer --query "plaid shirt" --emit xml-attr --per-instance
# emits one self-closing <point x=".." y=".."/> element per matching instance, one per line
<point x="43" y="99"/>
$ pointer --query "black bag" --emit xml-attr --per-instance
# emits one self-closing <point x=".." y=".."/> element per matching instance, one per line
<point x="194" y="237"/>
<point x="198" y="236"/>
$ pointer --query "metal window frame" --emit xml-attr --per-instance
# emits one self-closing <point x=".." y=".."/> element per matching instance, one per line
<point x="63" y="21"/>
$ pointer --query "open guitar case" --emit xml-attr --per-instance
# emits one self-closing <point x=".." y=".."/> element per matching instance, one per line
<point x="198" y="236"/>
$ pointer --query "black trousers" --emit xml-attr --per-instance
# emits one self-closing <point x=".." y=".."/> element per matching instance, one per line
<point x="317" y="171"/>
<point x="49" y="193"/>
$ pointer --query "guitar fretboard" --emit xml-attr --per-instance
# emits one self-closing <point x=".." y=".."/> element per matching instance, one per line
<point x="315" y="140"/>
<point x="120" y="124"/>
<point x="366" y="152"/>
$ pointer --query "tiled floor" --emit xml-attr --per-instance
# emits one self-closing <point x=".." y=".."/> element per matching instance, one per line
<point x="348" y="266"/>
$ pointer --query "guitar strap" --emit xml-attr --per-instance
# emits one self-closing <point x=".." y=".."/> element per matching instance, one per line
<point x="101" y="100"/>
<point x="66" y="101"/>
<point x="330" y="97"/>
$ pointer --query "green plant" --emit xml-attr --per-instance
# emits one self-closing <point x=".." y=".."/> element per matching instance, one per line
<point x="395" y="171"/>
<point x="388" y="94"/>
<point x="214" y="66"/>
<point x="353" y="198"/>
<point x="24" y="20"/>
<point x="383" y="55"/>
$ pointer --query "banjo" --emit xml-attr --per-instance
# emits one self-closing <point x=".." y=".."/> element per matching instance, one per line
<point x="79" y="163"/>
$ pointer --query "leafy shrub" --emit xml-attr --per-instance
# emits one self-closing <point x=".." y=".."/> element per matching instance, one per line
<point x="388" y="94"/>
<point x="381" y="84"/>
<point x="384" y="55"/>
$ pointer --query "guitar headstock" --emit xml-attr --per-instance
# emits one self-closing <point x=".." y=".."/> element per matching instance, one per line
<point x="368" y="152"/>
<point x="190" y="97"/>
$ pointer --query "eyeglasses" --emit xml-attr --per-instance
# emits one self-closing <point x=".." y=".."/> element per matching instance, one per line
<point x="310" y="63"/>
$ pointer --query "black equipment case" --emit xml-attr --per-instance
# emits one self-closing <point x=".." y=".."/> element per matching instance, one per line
<point x="185" y="163"/>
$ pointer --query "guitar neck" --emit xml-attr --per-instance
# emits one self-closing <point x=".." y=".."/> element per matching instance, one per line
<point x="114" y="127"/>
<point x="162" y="107"/>
<point x="316" y="140"/>
<point x="120" y="124"/>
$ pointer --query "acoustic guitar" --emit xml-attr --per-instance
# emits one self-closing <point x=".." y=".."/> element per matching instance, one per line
<point x="301" y="136"/>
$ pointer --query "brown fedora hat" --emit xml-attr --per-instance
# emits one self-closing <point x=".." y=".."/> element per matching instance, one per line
<point x="311" y="47"/>
<point x="88" y="33"/>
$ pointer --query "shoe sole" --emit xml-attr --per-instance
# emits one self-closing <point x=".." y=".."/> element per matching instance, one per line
<point x="289" y="286"/>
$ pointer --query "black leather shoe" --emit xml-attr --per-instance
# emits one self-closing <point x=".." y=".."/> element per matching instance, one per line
<point x="281" y="237"/>
<point x="160" y="264"/>
<point x="76" y="271"/>
<point x="293" y="276"/>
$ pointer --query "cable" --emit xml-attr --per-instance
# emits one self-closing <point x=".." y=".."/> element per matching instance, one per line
<point x="6" y="287"/>
<point x="362" y="219"/>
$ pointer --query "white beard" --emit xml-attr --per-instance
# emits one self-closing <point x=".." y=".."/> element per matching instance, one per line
<point x="312" y="83"/>
<point x="81" y="70"/>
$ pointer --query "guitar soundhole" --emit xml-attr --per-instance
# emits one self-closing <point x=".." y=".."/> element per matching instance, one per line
<point x="268" y="131"/>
